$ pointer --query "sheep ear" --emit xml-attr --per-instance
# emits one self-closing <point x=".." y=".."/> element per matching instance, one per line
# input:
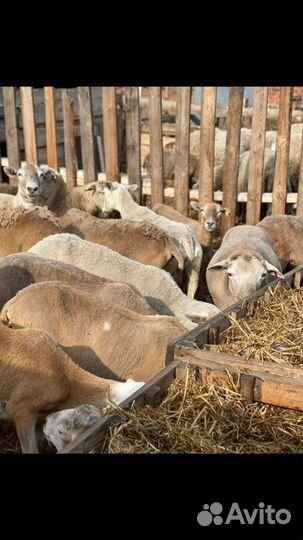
<point x="132" y="187"/>
<point x="90" y="188"/>
<point x="219" y="265"/>
<point x="10" y="171"/>
<point x="196" y="206"/>
<point x="226" y="212"/>
<point x="271" y="269"/>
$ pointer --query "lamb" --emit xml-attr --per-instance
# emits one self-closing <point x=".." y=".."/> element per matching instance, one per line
<point x="93" y="332"/>
<point x="20" y="229"/>
<point x="141" y="242"/>
<point x="244" y="262"/>
<point x="23" y="269"/>
<point x="53" y="190"/>
<point x="29" y="189"/>
<point x="211" y="220"/>
<point x="37" y="378"/>
<point x="158" y="287"/>
<point x="286" y="236"/>
<point x="117" y="197"/>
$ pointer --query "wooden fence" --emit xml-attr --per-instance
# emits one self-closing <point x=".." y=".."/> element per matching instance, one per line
<point x="70" y="111"/>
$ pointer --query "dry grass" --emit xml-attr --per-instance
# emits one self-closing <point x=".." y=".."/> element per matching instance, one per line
<point x="273" y="330"/>
<point x="197" y="418"/>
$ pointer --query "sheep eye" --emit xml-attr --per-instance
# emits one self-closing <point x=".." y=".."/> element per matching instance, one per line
<point x="264" y="274"/>
<point x="229" y="274"/>
<point x="19" y="174"/>
<point x="60" y="431"/>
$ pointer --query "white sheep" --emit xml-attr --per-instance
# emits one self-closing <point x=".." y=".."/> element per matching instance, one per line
<point x="29" y="190"/>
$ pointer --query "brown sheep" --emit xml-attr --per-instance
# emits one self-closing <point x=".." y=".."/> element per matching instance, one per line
<point x="286" y="235"/>
<point x="103" y="338"/>
<point x="20" y="229"/>
<point x="37" y="378"/>
<point x="23" y="269"/>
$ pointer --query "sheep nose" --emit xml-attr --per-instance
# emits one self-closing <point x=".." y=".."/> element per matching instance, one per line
<point x="32" y="190"/>
<point x="210" y="223"/>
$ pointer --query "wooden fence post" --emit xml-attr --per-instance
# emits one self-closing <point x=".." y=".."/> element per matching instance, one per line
<point x="87" y="134"/>
<point x="208" y="122"/>
<point x="133" y="143"/>
<point x="156" y="145"/>
<point x="299" y="211"/>
<point x="256" y="160"/>
<point x="11" y="129"/>
<point x="182" y="149"/>
<point x="50" y="125"/>
<point x="231" y="158"/>
<point x="69" y="139"/>
<point x="110" y="136"/>
<point x="282" y="151"/>
<point x="29" y="128"/>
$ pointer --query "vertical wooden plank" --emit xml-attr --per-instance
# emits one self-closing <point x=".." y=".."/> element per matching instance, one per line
<point x="256" y="161"/>
<point x="282" y="151"/>
<point x="11" y="128"/>
<point x="1" y="173"/>
<point x="28" y="120"/>
<point x="69" y="139"/>
<point x="300" y="186"/>
<point x="182" y="149"/>
<point x="132" y="120"/>
<point x="231" y="159"/>
<point x="50" y="125"/>
<point x="208" y="120"/>
<point x="110" y="133"/>
<point x="87" y="134"/>
<point x="156" y="146"/>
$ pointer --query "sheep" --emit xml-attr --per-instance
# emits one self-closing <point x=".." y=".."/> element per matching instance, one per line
<point x="37" y="377"/>
<point x="86" y="198"/>
<point x="20" y="229"/>
<point x="117" y="197"/>
<point x="141" y="242"/>
<point x="23" y="269"/>
<point x="158" y="287"/>
<point x="220" y="144"/>
<point x="211" y="219"/>
<point x="29" y="188"/>
<point x="8" y="189"/>
<point x="169" y="161"/>
<point x="53" y="190"/>
<point x="244" y="262"/>
<point x="286" y="236"/>
<point x="94" y="332"/>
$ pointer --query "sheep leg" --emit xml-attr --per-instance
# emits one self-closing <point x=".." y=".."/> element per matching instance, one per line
<point x="25" y="422"/>
<point x="193" y="282"/>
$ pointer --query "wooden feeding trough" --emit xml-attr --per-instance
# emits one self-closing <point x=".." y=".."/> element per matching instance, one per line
<point x="266" y="382"/>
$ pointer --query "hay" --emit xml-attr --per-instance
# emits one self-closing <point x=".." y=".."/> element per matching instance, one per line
<point x="272" y="331"/>
<point x="197" y="418"/>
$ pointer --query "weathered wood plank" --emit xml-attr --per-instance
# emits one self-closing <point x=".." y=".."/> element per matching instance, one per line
<point x="87" y="134"/>
<point x="133" y="139"/>
<point x="231" y="160"/>
<point x="299" y="211"/>
<point x="182" y="149"/>
<point x="207" y="154"/>
<point x="50" y="124"/>
<point x="110" y="133"/>
<point x="256" y="162"/>
<point x="11" y="128"/>
<point x="282" y="151"/>
<point x="29" y="129"/>
<point x="69" y="139"/>
<point x="156" y="148"/>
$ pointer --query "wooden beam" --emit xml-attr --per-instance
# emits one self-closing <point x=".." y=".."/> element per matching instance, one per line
<point x="69" y="139"/>
<point x="232" y="152"/>
<point x="182" y="149"/>
<point x="29" y="128"/>
<point x="110" y="133"/>
<point x="133" y="139"/>
<point x="207" y="153"/>
<point x="50" y="126"/>
<point x="156" y="148"/>
<point x="299" y="211"/>
<point x="87" y="134"/>
<point x="282" y="151"/>
<point x="11" y="128"/>
<point x="256" y="162"/>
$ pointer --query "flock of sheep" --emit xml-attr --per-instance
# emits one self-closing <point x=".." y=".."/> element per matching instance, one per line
<point x="89" y="305"/>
